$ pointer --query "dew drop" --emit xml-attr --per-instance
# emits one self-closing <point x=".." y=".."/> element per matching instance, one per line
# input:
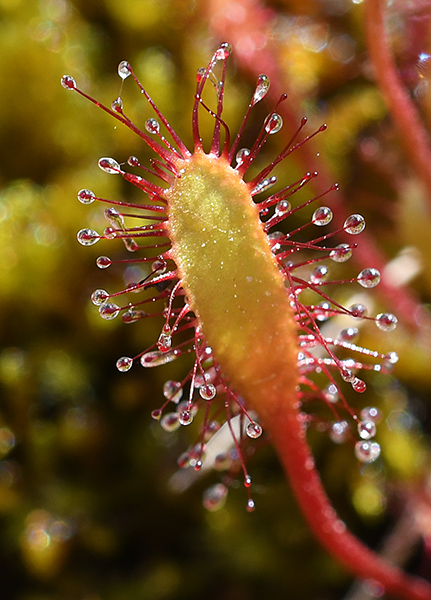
<point x="322" y="216"/>
<point x="369" y="278"/>
<point x="157" y="358"/>
<point x="185" y="417"/>
<point x="68" y="82"/>
<point x="322" y="311"/>
<point x="371" y="413"/>
<point x="109" y="233"/>
<point x="117" y="104"/>
<point x="207" y="391"/>
<point x="86" y="196"/>
<point x="347" y="375"/>
<point x="173" y="391"/>
<point x="152" y="126"/>
<point x="386" y="321"/>
<point x="156" y="414"/>
<point x="124" y="364"/>
<point x="318" y="274"/>
<point x="130" y="244"/>
<point x="339" y="432"/>
<point x="109" y="311"/>
<point x="358" y="385"/>
<point x="164" y="342"/>
<point x="391" y="358"/>
<point x="131" y="316"/>
<point x="223" y="52"/>
<point x="367" y="451"/>
<point x="367" y="429"/>
<point x="354" y="224"/>
<point x="109" y="165"/>
<point x="103" y="262"/>
<point x="133" y="161"/>
<point x="170" y="421"/>
<point x="341" y="253"/>
<point x="241" y="155"/>
<point x="114" y="217"/>
<point x="358" y="311"/>
<point x="273" y="123"/>
<point x="214" y="497"/>
<point x="159" y="265"/>
<point x="87" y="237"/>
<point x="254" y="430"/>
<point x="264" y="185"/>
<point x="247" y="481"/>
<point x="98" y="297"/>
<point x="282" y="208"/>
<point x="250" y="505"/>
<point x="348" y="334"/>
<point x="331" y="393"/>
<point x="262" y="87"/>
<point x="124" y="69"/>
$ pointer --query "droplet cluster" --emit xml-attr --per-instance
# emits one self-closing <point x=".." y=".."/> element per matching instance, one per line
<point x="227" y="427"/>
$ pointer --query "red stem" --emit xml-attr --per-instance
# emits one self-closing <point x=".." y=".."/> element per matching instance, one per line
<point x="289" y="438"/>
<point x="413" y="134"/>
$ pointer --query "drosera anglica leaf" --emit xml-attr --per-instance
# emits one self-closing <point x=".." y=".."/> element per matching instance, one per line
<point x="226" y="278"/>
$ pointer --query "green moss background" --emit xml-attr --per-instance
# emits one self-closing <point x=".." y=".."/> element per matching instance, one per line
<point x="86" y="511"/>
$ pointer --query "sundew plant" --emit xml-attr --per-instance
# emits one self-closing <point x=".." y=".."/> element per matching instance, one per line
<point x="249" y="298"/>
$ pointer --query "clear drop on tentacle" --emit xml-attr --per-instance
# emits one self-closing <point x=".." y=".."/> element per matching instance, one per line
<point x="339" y="432"/>
<point x="262" y="88"/>
<point x="124" y="69"/>
<point x="354" y="224"/>
<point x="264" y="185"/>
<point x="367" y="451"/>
<point x="341" y="253"/>
<point x="185" y="417"/>
<point x="103" y="262"/>
<point x="282" y="208"/>
<point x="117" y="104"/>
<point x="109" y="165"/>
<point x="253" y="430"/>
<point x="348" y="334"/>
<point x="68" y="82"/>
<point x="273" y="123"/>
<point x="359" y="311"/>
<point x="371" y="413"/>
<point x="386" y="321"/>
<point x="214" y="497"/>
<point x="170" y="421"/>
<point x="86" y="196"/>
<point x="241" y="155"/>
<point x="157" y="358"/>
<point x="367" y="429"/>
<point x="164" y="342"/>
<point x="359" y="385"/>
<point x="318" y="274"/>
<point x="133" y="161"/>
<point x="98" y="297"/>
<point x="369" y="278"/>
<point x="152" y="126"/>
<point x="173" y="391"/>
<point x="87" y="237"/>
<point x="322" y="216"/>
<point x="223" y="52"/>
<point x="124" y="364"/>
<point x="207" y="391"/>
<point x="109" y="311"/>
<point x="331" y="393"/>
